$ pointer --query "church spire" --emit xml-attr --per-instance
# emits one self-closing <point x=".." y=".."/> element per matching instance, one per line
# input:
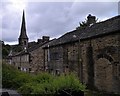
<point x="23" y="27"/>
<point x="23" y="38"/>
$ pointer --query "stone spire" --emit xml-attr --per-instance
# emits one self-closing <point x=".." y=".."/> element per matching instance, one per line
<point x="23" y="28"/>
<point x="23" y="38"/>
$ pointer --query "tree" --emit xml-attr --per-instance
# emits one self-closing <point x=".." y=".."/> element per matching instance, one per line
<point x="90" y="20"/>
<point x="83" y="24"/>
<point x="5" y="50"/>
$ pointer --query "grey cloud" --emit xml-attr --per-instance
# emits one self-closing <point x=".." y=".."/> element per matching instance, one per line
<point x="100" y="9"/>
<point x="9" y="35"/>
<point x="53" y="18"/>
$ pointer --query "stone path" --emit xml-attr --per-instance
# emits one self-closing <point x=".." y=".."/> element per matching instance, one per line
<point x="7" y="92"/>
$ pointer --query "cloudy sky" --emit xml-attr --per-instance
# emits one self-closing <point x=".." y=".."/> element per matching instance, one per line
<point x="50" y="18"/>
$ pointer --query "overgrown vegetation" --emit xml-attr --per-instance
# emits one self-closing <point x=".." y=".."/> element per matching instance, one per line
<point x="42" y="84"/>
<point x="5" y="50"/>
<point x="12" y="78"/>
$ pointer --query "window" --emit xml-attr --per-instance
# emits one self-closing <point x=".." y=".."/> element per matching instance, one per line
<point x="115" y="70"/>
<point x="21" y="68"/>
<point x="29" y="69"/>
<point x="24" y="69"/>
<point x="18" y="68"/>
<point x="26" y="58"/>
<point x="118" y="70"/>
<point x="57" y="72"/>
<point x="54" y="56"/>
<point x="24" y="42"/>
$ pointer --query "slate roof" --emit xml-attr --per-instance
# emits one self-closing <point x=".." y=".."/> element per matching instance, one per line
<point x="109" y="26"/>
<point x="34" y="47"/>
<point x="41" y="45"/>
<point x="106" y="27"/>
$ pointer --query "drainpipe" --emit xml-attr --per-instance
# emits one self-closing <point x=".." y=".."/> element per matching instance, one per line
<point x="48" y="61"/>
<point x="20" y="63"/>
<point x="80" y="66"/>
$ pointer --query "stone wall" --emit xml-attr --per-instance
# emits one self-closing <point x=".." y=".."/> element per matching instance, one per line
<point x="100" y="59"/>
<point x="105" y="56"/>
<point x="21" y="62"/>
<point x="96" y="61"/>
<point x="54" y="59"/>
<point x="37" y="60"/>
<point x="62" y="58"/>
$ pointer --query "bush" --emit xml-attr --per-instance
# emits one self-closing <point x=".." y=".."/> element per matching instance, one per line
<point x="12" y="78"/>
<point x="69" y="84"/>
<point x="43" y="77"/>
<point x="43" y="83"/>
<point x="9" y="73"/>
<point x="21" y="79"/>
<point x="53" y="85"/>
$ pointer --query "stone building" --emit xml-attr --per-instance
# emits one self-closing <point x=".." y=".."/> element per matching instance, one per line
<point x="29" y="55"/>
<point x="31" y="59"/>
<point x="91" y="52"/>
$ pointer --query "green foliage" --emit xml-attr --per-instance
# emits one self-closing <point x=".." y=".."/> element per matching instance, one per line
<point x="17" y="48"/>
<point x="21" y="79"/>
<point x="84" y="24"/>
<point x="5" y="50"/>
<point x="8" y="74"/>
<point x="12" y="78"/>
<point x="43" y="77"/>
<point x="69" y="83"/>
<point x="42" y="84"/>
<point x="47" y="84"/>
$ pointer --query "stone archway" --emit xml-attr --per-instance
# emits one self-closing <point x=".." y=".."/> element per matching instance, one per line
<point x="103" y="74"/>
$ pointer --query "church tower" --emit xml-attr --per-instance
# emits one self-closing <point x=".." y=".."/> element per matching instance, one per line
<point x="23" y="38"/>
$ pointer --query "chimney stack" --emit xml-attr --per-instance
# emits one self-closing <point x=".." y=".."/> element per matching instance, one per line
<point x="45" y="38"/>
<point x="91" y="19"/>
